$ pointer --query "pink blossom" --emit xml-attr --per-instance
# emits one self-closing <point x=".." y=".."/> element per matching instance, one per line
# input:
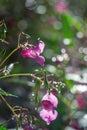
<point x="52" y="20"/>
<point x="40" y="47"/>
<point x="48" y="116"/>
<point x="49" y="101"/>
<point x="34" y="52"/>
<point x="47" y="105"/>
<point x="74" y="124"/>
<point x="81" y="99"/>
<point x="40" y="60"/>
<point x="61" y="6"/>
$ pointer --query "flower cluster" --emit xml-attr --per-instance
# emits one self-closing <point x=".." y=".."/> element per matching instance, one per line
<point x="49" y="101"/>
<point x="34" y="52"/>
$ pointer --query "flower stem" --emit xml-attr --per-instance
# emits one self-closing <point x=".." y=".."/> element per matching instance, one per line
<point x="19" y="36"/>
<point x="12" y="110"/>
<point x="9" y="56"/>
<point x="21" y="74"/>
<point x="2" y="40"/>
<point x="8" y="105"/>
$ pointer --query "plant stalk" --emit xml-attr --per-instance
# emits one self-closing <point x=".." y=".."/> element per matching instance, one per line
<point x="21" y="74"/>
<point x="9" y="56"/>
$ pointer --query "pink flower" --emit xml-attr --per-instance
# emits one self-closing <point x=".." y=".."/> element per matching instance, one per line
<point x="61" y="6"/>
<point x="34" y="52"/>
<point x="81" y="99"/>
<point x="52" y="20"/>
<point x="47" y="105"/>
<point x="40" y="60"/>
<point x="48" y="116"/>
<point x="49" y="101"/>
<point x="40" y="47"/>
<point x="74" y="124"/>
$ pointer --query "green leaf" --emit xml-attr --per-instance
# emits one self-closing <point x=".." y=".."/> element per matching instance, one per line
<point x="2" y="128"/>
<point x="2" y="92"/>
<point x="2" y="53"/>
<point x="20" y="120"/>
<point x="69" y="83"/>
<point x="74" y="21"/>
<point x="69" y="22"/>
<point x="3" y="29"/>
<point x="36" y="89"/>
<point x="46" y="82"/>
<point x="67" y="29"/>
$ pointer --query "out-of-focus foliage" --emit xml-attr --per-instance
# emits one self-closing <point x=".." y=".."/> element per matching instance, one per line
<point x="2" y="92"/>
<point x="2" y="128"/>
<point x="64" y="31"/>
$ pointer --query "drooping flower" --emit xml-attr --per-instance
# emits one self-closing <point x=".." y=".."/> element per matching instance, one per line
<point x="34" y="52"/>
<point x="49" y="101"/>
<point x="47" y="105"/>
<point x="48" y="116"/>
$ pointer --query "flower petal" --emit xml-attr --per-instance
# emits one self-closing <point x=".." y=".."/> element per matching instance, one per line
<point x="48" y="116"/>
<point x="47" y="105"/>
<point x="40" y="60"/>
<point x="34" y="52"/>
<point x="52" y="98"/>
<point x="40" y="47"/>
<point x="30" y="53"/>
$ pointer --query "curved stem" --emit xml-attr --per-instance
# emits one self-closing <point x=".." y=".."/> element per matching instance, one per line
<point x="9" y="56"/>
<point x="2" y="40"/>
<point x="19" y="36"/>
<point x="12" y="110"/>
<point x="21" y="74"/>
<point x="8" y="105"/>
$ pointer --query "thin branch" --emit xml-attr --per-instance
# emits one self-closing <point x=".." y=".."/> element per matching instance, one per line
<point x="19" y="36"/>
<point x="12" y="110"/>
<point x="81" y="83"/>
<point x="2" y="40"/>
<point x="21" y="74"/>
<point x="8" y="56"/>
